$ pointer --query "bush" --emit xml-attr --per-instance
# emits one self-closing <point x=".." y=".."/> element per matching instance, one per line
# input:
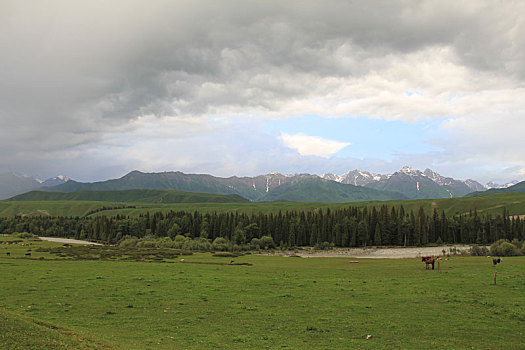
<point x="255" y="244"/>
<point x="24" y="235"/>
<point x="503" y="248"/>
<point x="220" y="243"/>
<point x="266" y="242"/>
<point x="478" y="251"/>
<point x="165" y="242"/>
<point x="324" y="246"/>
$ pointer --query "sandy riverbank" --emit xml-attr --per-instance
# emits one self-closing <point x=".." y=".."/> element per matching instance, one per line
<point x="375" y="253"/>
<point x="67" y="240"/>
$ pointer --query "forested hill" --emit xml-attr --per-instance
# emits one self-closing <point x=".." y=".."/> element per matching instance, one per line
<point x="131" y="196"/>
<point x="519" y="187"/>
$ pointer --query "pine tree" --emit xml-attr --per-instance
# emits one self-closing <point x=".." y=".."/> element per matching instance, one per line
<point x="377" y="235"/>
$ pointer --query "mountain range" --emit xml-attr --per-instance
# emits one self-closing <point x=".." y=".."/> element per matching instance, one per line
<point x="262" y="188"/>
<point x="518" y="187"/>
<point x="355" y="185"/>
<point x="12" y="184"/>
<point x="411" y="182"/>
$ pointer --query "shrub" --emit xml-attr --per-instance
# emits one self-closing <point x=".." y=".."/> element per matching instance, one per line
<point x="478" y="251"/>
<point x="503" y="248"/>
<point x="255" y="244"/>
<point x="516" y="243"/>
<point x="202" y="244"/>
<point x="165" y="242"/>
<point x="25" y="235"/>
<point x="220" y="243"/>
<point x="266" y="242"/>
<point x="147" y="244"/>
<point x="324" y="246"/>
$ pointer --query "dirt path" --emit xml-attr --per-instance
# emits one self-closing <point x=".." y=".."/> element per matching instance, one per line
<point x="375" y="253"/>
<point x="67" y="240"/>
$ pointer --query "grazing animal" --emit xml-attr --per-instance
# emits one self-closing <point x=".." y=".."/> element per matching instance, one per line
<point x="8" y="253"/>
<point x="496" y="261"/>
<point x="428" y="260"/>
<point x="181" y="260"/>
<point x="232" y="261"/>
<point x="28" y="254"/>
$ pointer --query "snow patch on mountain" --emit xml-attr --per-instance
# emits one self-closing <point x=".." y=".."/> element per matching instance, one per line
<point x="364" y="178"/>
<point x="491" y="184"/>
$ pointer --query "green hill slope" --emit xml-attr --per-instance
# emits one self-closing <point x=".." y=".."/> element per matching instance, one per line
<point x="146" y="196"/>
<point x="491" y="203"/>
<point x="319" y="190"/>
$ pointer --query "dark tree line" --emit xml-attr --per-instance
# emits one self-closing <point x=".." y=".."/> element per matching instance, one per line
<point x="348" y="227"/>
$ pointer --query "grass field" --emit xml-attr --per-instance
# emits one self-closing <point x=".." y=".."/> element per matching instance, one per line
<point x="493" y="204"/>
<point x="206" y="302"/>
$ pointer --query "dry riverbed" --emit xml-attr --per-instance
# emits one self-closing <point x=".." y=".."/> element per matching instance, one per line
<point x="67" y="240"/>
<point x="376" y="252"/>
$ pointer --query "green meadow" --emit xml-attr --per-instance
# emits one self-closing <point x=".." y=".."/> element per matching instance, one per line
<point x="491" y="204"/>
<point x="105" y="298"/>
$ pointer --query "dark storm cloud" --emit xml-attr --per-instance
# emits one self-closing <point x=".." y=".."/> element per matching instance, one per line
<point x="71" y="72"/>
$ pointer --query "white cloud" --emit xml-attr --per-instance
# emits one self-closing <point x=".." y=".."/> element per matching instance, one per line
<point x="98" y="80"/>
<point x="312" y="145"/>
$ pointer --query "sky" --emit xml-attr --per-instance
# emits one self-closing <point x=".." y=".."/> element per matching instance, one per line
<point x="95" y="89"/>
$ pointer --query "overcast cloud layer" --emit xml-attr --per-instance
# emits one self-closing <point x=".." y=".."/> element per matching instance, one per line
<point x="94" y="89"/>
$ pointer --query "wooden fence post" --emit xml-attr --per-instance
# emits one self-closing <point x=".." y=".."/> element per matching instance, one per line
<point x="495" y="273"/>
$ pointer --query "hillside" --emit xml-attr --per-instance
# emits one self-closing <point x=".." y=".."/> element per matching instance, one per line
<point x="143" y="196"/>
<point x="491" y="203"/>
<point x="519" y="187"/>
<point x="320" y="190"/>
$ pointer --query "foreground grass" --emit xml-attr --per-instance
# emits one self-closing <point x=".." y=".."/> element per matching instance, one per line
<point x="490" y="204"/>
<point x="21" y="332"/>
<point x="277" y="302"/>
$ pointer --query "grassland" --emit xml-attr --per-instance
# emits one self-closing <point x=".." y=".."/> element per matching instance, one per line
<point x="493" y="204"/>
<point x="141" y="196"/>
<point x="274" y="302"/>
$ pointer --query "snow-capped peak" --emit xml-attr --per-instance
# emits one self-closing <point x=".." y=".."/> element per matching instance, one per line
<point x="62" y="177"/>
<point x="57" y="180"/>
<point x="490" y="185"/>
<point x="410" y="171"/>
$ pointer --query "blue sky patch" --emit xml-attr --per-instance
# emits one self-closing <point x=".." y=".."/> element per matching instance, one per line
<point x="369" y="138"/>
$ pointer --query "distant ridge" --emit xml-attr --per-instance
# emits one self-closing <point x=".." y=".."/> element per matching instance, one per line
<point x="145" y="196"/>
<point x="269" y="187"/>
<point x="12" y="184"/>
<point x="413" y="183"/>
<point x="353" y="186"/>
<point x="519" y="187"/>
